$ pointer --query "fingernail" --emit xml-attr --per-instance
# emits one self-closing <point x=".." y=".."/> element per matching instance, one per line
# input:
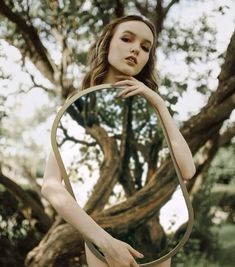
<point x="141" y="256"/>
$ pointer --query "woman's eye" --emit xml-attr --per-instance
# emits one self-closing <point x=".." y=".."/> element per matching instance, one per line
<point x="125" y="39"/>
<point x="146" y="49"/>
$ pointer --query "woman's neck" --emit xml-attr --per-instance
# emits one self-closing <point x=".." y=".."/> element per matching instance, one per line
<point x="111" y="76"/>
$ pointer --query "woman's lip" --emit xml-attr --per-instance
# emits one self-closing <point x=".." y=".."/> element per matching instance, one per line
<point x="130" y="62"/>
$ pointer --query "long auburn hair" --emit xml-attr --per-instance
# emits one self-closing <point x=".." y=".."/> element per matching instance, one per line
<point x="98" y="56"/>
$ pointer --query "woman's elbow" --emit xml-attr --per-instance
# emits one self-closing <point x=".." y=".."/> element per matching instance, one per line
<point x="189" y="173"/>
<point x="44" y="190"/>
<point x="48" y="187"/>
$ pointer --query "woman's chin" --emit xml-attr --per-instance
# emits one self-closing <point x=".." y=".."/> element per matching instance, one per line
<point x="128" y="72"/>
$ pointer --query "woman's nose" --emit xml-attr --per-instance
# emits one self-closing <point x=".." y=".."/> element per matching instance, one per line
<point x="135" y="48"/>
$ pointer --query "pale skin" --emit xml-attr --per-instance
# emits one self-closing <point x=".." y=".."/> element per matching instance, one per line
<point x="131" y="38"/>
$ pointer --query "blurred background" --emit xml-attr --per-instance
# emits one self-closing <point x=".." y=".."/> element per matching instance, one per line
<point x="43" y="48"/>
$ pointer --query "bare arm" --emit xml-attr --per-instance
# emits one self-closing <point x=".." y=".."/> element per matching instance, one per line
<point x="54" y="191"/>
<point x="179" y="146"/>
<point x="92" y="261"/>
<point x="117" y="253"/>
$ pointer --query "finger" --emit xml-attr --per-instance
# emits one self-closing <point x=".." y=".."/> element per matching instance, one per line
<point x="130" y="91"/>
<point x="124" y="82"/>
<point x="134" y="264"/>
<point x="134" y="252"/>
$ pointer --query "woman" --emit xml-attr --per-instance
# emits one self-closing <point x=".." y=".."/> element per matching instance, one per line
<point x="124" y="55"/>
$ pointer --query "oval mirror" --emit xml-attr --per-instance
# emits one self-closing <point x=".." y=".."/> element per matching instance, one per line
<point x="117" y="162"/>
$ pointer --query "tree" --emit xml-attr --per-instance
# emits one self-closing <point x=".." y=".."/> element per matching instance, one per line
<point x="36" y="28"/>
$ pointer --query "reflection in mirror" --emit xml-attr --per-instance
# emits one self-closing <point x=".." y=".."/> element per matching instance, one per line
<point x="118" y="163"/>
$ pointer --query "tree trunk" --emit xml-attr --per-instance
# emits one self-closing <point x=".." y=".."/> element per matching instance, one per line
<point x="32" y="210"/>
<point x="63" y="246"/>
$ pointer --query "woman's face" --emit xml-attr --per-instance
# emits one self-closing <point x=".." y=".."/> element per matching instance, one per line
<point x="129" y="48"/>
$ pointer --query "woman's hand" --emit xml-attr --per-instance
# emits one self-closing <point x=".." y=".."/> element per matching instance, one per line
<point x="133" y="86"/>
<point x="118" y="253"/>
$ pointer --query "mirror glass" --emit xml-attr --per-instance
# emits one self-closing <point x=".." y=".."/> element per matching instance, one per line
<point x="121" y="172"/>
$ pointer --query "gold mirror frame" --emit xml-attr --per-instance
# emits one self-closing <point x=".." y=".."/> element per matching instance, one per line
<point x="70" y="190"/>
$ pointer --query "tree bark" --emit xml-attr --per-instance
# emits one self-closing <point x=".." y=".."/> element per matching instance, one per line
<point x="33" y="211"/>
<point x="61" y="247"/>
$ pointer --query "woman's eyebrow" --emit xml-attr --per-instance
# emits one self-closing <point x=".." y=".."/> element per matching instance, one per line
<point x="132" y="33"/>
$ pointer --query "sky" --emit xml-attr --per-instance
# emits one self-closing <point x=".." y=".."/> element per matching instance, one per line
<point x="191" y="11"/>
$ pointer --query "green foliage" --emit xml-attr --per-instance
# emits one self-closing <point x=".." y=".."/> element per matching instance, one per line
<point x="225" y="252"/>
<point x="211" y="239"/>
<point x="227" y="248"/>
<point x="222" y="168"/>
<point x="203" y="243"/>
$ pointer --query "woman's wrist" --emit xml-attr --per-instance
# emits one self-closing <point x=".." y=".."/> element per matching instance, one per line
<point x="101" y="239"/>
<point x="154" y="99"/>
